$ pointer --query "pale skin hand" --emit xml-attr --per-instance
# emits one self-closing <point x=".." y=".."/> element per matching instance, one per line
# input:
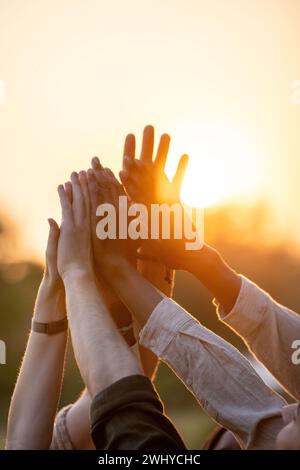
<point x="30" y="425"/>
<point x="78" y="421"/>
<point x="113" y="261"/>
<point x="93" y="331"/>
<point x="102" y="179"/>
<point x="74" y="245"/>
<point x="145" y="181"/>
<point x="78" y="417"/>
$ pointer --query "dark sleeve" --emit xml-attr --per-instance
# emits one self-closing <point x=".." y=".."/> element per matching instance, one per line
<point x="129" y="415"/>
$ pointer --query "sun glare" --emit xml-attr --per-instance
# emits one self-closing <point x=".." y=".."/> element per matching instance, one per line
<point x="223" y="164"/>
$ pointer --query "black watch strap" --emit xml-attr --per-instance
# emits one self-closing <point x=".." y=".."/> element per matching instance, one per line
<point x="50" y="328"/>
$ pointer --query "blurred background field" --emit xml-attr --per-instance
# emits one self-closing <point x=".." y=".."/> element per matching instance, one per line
<point x="244" y="243"/>
<point x="77" y="75"/>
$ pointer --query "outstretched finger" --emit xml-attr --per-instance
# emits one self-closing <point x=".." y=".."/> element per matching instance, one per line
<point x="93" y="190"/>
<point x="129" y="148"/>
<point x="162" y="152"/>
<point x="66" y="207"/>
<point x="68" y="190"/>
<point x="147" y="145"/>
<point x="51" y="250"/>
<point x="85" y="192"/>
<point x="110" y="174"/>
<point x="78" y="200"/>
<point x="180" y="172"/>
<point x="97" y="167"/>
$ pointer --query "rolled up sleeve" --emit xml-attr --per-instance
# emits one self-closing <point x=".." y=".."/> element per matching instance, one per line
<point x="269" y="331"/>
<point x="221" y="379"/>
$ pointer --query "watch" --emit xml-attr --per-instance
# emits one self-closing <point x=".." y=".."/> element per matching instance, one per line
<point x="50" y="328"/>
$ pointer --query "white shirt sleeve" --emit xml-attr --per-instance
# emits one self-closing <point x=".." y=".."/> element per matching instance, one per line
<point x="222" y="380"/>
<point x="269" y="330"/>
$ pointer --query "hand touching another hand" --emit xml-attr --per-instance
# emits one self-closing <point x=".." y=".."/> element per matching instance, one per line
<point x="105" y="189"/>
<point x="74" y="246"/>
<point x="50" y="302"/>
<point x="145" y="180"/>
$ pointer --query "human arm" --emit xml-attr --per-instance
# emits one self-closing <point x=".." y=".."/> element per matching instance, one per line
<point x="96" y="337"/>
<point x="270" y="331"/>
<point x="93" y="332"/>
<point x="145" y="181"/>
<point x="245" y="308"/>
<point x="67" y="433"/>
<point x="156" y="272"/>
<point x="222" y="380"/>
<point x="37" y="391"/>
<point x="143" y="300"/>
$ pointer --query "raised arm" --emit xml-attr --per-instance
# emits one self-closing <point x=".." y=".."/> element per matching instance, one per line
<point x="67" y="433"/>
<point x="220" y="377"/>
<point x="242" y="305"/>
<point x="92" y="329"/>
<point x="37" y="391"/>
<point x="121" y="393"/>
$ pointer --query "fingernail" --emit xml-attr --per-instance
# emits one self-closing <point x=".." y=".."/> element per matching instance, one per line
<point x="123" y="174"/>
<point x="50" y="222"/>
<point x="96" y="162"/>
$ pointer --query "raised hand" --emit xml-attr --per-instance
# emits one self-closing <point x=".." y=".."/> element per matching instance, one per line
<point x="145" y="180"/>
<point x="50" y="301"/>
<point x="74" y="246"/>
<point x="104" y="188"/>
<point x="51" y="275"/>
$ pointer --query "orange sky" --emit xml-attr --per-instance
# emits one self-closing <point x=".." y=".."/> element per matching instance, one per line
<point x="80" y="74"/>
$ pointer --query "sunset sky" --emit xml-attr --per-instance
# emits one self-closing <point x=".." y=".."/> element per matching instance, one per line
<point x="217" y="75"/>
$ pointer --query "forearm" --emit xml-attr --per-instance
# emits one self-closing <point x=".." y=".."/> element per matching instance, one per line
<point x="163" y="279"/>
<point x="138" y="294"/>
<point x="269" y="330"/>
<point x="37" y="391"/>
<point x="215" y="274"/>
<point x="222" y="380"/>
<point x="94" y="336"/>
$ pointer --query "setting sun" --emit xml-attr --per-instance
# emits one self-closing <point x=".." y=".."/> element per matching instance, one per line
<point x="223" y="163"/>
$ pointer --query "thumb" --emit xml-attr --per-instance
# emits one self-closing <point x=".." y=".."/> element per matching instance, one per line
<point x="51" y="250"/>
<point x="180" y="172"/>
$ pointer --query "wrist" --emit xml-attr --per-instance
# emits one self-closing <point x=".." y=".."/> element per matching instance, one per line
<point x="77" y="275"/>
<point x="50" y="303"/>
<point x="217" y="276"/>
<point x="202" y="262"/>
